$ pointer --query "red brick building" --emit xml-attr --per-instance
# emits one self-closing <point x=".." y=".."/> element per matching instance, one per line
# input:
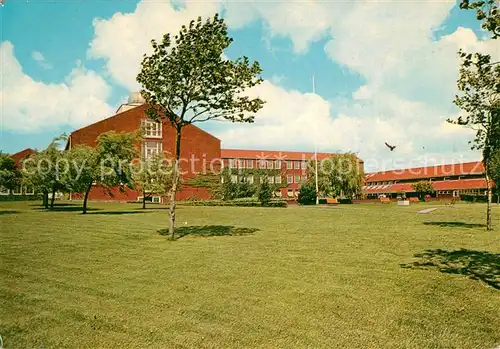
<point x="292" y="166"/>
<point x="199" y="149"/>
<point x="21" y="189"/>
<point x="449" y="181"/>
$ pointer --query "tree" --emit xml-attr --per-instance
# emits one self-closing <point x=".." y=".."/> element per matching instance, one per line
<point x="488" y="12"/>
<point x="423" y="188"/>
<point x="494" y="167"/>
<point x="307" y="194"/>
<point x="189" y="81"/>
<point x="265" y="191"/>
<point x="479" y="99"/>
<point x="152" y="176"/>
<point x="339" y="175"/>
<point x="10" y="176"/>
<point x="107" y="165"/>
<point x="43" y="170"/>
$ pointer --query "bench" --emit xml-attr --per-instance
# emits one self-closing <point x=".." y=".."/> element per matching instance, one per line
<point x="331" y="201"/>
<point x="385" y="200"/>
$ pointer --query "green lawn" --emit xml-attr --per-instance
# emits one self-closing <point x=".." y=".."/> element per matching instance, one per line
<point x="300" y="277"/>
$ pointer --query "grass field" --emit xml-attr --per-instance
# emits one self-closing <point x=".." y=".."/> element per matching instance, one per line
<point x="300" y="277"/>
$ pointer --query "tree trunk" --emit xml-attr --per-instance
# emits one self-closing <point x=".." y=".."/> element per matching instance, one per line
<point x="489" y="225"/>
<point x="53" y="197"/>
<point x="85" y="198"/>
<point x="143" y="200"/>
<point x="45" y="200"/>
<point x="175" y="182"/>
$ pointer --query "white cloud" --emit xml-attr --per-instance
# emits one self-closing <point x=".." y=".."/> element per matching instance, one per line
<point x="410" y="76"/>
<point x="29" y="105"/>
<point x="38" y="56"/>
<point x="123" y="39"/>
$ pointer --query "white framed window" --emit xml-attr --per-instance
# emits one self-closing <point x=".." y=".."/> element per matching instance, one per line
<point x="241" y="163"/>
<point x="297" y="165"/>
<point x="297" y="179"/>
<point x="17" y="190"/>
<point x="270" y="164"/>
<point x="250" y="179"/>
<point x="4" y="191"/>
<point x="234" y="178"/>
<point x="231" y="163"/>
<point x="151" y="148"/>
<point x="289" y="165"/>
<point x="270" y="179"/>
<point x="29" y="190"/>
<point x="277" y="180"/>
<point x="152" y="129"/>
<point x="277" y="164"/>
<point x="289" y="179"/>
<point x="304" y="165"/>
<point x="290" y="193"/>
<point x="277" y="194"/>
<point x="262" y="164"/>
<point x="249" y="163"/>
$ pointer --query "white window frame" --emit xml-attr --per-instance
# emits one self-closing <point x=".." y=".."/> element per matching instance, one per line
<point x="296" y="165"/>
<point x="230" y="163"/>
<point x="145" y="147"/>
<point x="277" y="180"/>
<point x="270" y="164"/>
<point x="262" y="164"/>
<point x="304" y="165"/>
<point x="4" y="191"/>
<point x="250" y="179"/>
<point x="20" y="192"/>
<point x="289" y="179"/>
<point x="289" y="164"/>
<point x="296" y="178"/>
<point x="289" y="193"/>
<point x="249" y="163"/>
<point x="152" y="129"/>
<point x="241" y="163"/>
<point x="277" y="164"/>
<point x="270" y="179"/>
<point x="32" y="192"/>
<point x="234" y="178"/>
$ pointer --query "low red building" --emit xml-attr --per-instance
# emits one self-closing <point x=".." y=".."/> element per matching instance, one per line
<point x="199" y="149"/>
<point x="449" y="181"/>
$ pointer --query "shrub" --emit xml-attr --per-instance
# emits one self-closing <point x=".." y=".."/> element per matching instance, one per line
<point x="240" y="203"/>
<point x="307" y="194"/>
<point x="265" y="192"/>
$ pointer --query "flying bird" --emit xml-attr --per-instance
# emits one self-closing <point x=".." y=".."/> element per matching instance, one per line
<point x="391" y="147"/>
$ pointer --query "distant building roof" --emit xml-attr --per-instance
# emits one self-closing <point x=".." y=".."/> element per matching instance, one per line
<point x="272" y="154"/>
<point x="23" y="154"/>
<point x="462" y="169"/>
<point x="461" y="184"/>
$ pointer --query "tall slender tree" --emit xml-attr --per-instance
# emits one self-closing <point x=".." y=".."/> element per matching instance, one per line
<point x="188" y="80"/>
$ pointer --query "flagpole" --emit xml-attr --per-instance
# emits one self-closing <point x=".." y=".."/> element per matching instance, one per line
<point x="315" y="149"/>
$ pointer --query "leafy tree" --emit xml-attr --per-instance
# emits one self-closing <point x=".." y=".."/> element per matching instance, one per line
<point x="10" y="176"/>
<point x="494" y="166"/>
<point x="107" y="165"/>
<point x="337" y="176"/>
<point x="43" y="171"/>
<point x="265" y="192"/>
<point x="307" y="194"/>
<point x="189" y="80"/>
<point x="479" y="100"/>
<point x="152" y="176"/>
<point x="488" y="12"/>
<point x="423" y="188"/>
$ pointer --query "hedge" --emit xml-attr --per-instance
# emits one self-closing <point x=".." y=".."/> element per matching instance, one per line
<point x="21" y="197"/>
<point x="240" y="203"/>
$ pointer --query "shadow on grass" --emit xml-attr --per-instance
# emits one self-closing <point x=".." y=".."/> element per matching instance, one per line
<point x="209" y="230"/>
<point x="478" y="265"/>
<point x="119" y="212"/>
<point x="456" y="225"/>
<point x="66" y="209"/>
<point x="2" y="212"/>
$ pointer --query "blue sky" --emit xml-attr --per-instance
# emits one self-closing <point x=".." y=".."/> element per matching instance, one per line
<point x="383" y="71"/>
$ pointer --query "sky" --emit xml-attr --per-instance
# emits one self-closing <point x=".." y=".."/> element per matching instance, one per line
<point x="384" y="71"/>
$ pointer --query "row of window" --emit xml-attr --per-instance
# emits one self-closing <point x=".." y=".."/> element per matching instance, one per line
<point x="271" y="179"/>
<point x="18" y="191"/>
<point x="432" y="179"/>
<point x="266" y="164"/>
